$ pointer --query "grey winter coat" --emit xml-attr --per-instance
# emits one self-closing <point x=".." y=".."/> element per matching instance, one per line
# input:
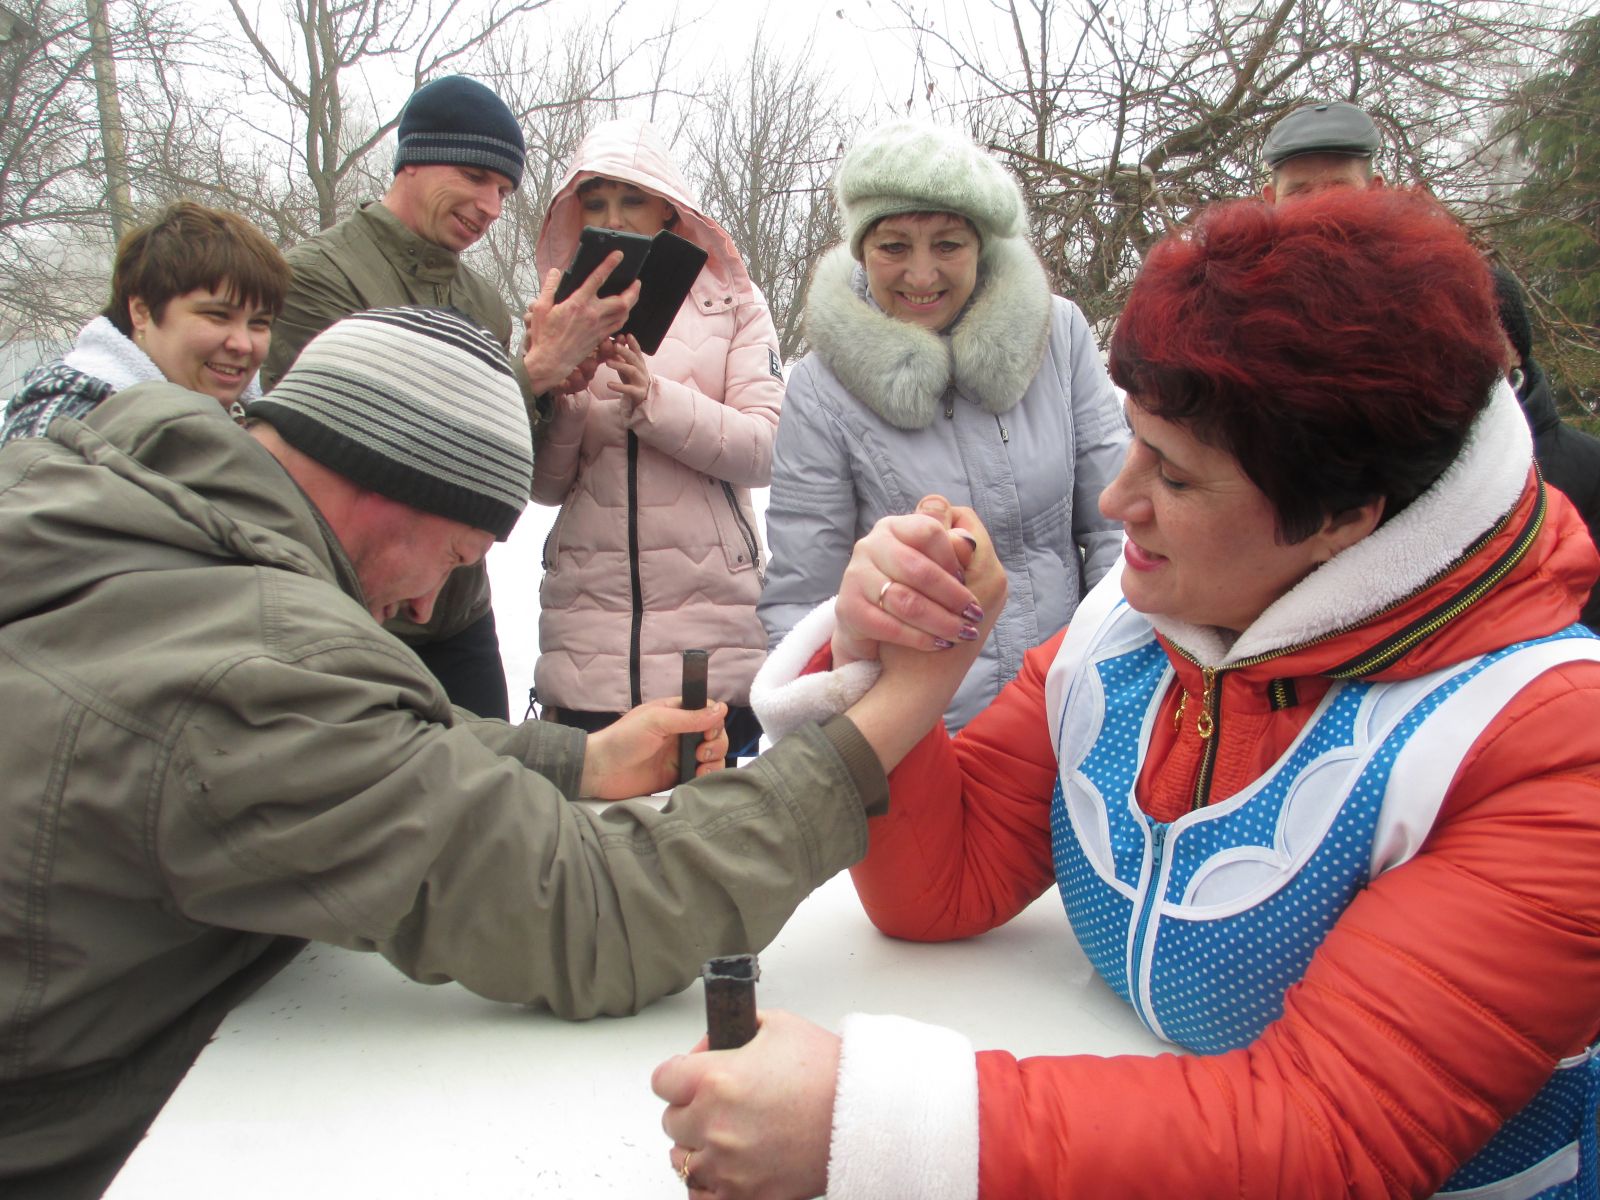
<point x="211" y="750"/>
<point x="1010" y="411"/>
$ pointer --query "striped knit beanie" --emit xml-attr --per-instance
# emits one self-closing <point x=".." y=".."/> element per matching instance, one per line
<point x="458" y="121"/>
<point x="416" y="404"/>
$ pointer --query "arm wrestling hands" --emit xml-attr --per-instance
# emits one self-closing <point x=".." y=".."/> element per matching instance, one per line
<point x="920" y="594"/>
<point x="638" y="754"/>
<point x="906" y="584"/>
<point x="565" y="342"/>
<point x="756" y="1123"/>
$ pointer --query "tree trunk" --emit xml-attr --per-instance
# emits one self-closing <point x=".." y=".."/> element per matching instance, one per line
<point x="118" y="195"/>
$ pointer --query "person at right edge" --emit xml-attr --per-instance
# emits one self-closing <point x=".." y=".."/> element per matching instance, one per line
<point x="940" y="362"/>
<point x="1568" y="458"/>
<point x="655" y="550"/>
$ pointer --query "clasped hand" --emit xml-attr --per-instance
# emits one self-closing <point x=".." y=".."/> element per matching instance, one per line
<point x="928" y="580"/>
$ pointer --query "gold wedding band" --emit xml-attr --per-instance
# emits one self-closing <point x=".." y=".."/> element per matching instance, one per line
<point x="884" y="591"/>
<point x="683" y="1168"/>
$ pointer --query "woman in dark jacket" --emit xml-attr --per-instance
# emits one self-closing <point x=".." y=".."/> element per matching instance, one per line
<point x="1568" y="458"/>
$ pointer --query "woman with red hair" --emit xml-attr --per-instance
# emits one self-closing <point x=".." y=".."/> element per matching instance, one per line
<point x="1314" y="770"/>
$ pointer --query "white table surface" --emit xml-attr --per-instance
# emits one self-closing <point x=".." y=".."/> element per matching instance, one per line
<point x="341" y="1077"/>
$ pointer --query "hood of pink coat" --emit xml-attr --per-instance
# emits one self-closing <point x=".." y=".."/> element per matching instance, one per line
<point x="633" y="152"/>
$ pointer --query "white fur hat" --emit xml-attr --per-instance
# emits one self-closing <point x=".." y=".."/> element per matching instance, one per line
<point x="912" y="166"/>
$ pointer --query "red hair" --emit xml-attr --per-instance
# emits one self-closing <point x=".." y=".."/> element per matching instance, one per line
<point x="1339" y="348"/>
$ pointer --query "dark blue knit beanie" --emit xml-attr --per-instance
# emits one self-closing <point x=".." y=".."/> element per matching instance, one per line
<point x="458" y="121"/>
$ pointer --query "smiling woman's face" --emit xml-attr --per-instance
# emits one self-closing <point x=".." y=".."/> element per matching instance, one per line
<point x="922" y="267"/>
<point x="1203" y="541"/>
<point x="208" y="340"/>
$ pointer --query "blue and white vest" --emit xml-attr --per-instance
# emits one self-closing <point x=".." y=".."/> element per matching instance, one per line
<point x="1202" y="923"/>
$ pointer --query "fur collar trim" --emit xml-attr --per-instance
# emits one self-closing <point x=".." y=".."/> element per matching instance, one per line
<point x="1400" y="557"/>
<point x="902" y="371"/>
<point x="102" y="352"/>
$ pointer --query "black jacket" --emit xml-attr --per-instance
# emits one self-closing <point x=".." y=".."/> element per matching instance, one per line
<point x="1569" y="459"/>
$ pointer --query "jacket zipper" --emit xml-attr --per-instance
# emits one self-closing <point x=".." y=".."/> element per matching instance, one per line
<point x="634" y="687"/>
<point x="1141" y="931"/>
<point x="744" y="527"/>
<point x="950" y="415"/>
<point x="1205" y="724"/>
<point x="1391" y="648"/>
<point x="1397" y="644"/>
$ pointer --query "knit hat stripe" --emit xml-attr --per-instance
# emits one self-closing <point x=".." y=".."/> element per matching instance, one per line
<point x="416" y="404"/>
<point x="430" y="449"/>
<point x="363" y="465"/>
<point x="463" y="149"/>
<point x="367" y="360"/>
<point x="446" y="325"/>
<point x="374" y="356"/>
<point x="410" y="433"/>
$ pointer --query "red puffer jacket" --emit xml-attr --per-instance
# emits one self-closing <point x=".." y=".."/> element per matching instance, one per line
<point x="1440" y="1002"/>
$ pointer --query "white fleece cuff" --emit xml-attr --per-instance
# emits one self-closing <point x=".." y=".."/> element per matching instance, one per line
<point x="905" y="1117"/>
<point x="784" y="699"/>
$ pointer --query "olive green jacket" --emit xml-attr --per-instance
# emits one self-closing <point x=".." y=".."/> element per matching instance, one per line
<point x="371" y="260"/>
<point x="211" y="751"/>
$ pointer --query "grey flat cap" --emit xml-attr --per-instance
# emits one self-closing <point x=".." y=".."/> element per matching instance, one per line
<point x="1330" y="127"/>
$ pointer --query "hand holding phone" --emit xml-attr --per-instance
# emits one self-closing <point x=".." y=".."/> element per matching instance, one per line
<point x="562" y="337"/>
<point x="665" y="266"/>
<point x="594" y="246"/>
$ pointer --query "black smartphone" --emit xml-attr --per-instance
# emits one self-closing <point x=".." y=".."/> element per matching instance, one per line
<point x="593" y="246"/>
<point x="665" y="280"/>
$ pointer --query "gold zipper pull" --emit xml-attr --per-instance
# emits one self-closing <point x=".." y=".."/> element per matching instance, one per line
<point x="1203" y="724"/>
<point x="1177" y="716"/>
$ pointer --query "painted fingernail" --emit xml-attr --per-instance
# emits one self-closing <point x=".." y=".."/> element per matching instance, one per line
<point x="972" y="612"/>
<point x="962" y="533"/>
<point x="969" y="633"/>
<point x="941" y="644"/>
<point x="961" y="575"/>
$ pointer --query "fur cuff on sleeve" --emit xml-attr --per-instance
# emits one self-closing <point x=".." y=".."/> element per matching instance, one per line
<point x="784" y="699"/>
<point x="905" y="1117"/>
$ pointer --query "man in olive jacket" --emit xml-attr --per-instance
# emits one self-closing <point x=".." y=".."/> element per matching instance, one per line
<point x="212" y="750"/>
<point x="459" y="158"/>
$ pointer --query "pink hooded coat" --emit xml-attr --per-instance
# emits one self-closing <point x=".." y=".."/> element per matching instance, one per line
<point x="656" y="549"/>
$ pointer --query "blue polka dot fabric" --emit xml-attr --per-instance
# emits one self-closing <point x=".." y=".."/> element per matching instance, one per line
<point x="1204" y="923"/>
<point x="1560" y="1115"/>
